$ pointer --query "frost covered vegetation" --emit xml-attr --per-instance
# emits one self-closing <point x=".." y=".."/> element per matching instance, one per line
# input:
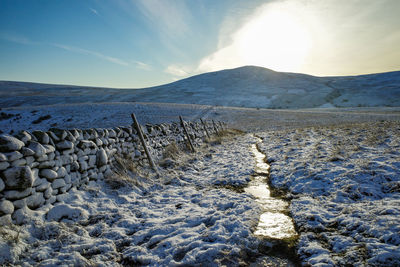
<point x="342" y="183"/>
<point x="344" y="186"/>
<point x="189" y="215"/>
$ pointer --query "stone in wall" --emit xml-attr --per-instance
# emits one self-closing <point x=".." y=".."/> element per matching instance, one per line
<point x="24" y="136"/>
<point x="37" y="148"/>
<point x="101" y="158"/>
<point x="58" y="183"/>
<point x="42" y="137"/>
<point x="65" y="144"/>
<point x="6" y="207"/>
<point x="18" y="178"/>
<point x="35" y="201"/>
<point x="9" y="143"/>
<point x="4" y="165"/>
<point x="26" y="152"/>
<point x="2" y="185"/>
<point x="49" y="174"/>
<point x="17" y="194"/>
<point x="43" y="186"/>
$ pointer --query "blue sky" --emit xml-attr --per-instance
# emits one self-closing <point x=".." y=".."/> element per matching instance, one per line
<point x="142" y="43"/>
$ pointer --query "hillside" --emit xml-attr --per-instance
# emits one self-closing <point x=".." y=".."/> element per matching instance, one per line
<point x="247" y="86"/>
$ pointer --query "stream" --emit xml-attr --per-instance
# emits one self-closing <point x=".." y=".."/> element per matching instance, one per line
<point x="274" y="225"/>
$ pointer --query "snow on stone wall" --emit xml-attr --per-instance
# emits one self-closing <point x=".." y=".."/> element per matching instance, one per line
<point x="41" y="167"/>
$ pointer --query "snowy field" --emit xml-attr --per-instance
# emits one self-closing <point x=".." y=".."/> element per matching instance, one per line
<point x="194" y="214"/>
<point x="106" y="115"/>
<point x="339" y="168"/>
<point x="344" y="186"/>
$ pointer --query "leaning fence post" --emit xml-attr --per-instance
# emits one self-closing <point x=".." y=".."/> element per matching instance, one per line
<point x="187" y="134"/>
<point x="139" y="130"/>
<point x="220" y="124"/>
<point x="215" y="127"/>
<point x="205" y="128"/>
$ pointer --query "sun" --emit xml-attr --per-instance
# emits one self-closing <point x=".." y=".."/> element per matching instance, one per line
<point x="278" y="35"/>
<point x="275" y="38"/>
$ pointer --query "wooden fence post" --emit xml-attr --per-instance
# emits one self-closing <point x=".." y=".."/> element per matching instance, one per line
<point x="205" y="127"/>
<point x="187" y="134"/>
<point x="215" y="127"/>
<point x="220" y="124"/>
<point x="139" y="130"/>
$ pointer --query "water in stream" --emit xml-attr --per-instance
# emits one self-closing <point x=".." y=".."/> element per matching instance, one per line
<point x="274" y="224"/>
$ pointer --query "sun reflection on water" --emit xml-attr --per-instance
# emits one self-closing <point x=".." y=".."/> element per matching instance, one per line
<point x="273" y="222"/>
<point x="275" y="225"/>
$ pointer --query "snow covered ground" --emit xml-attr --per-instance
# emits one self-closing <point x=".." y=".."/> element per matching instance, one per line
<point x="342" y="182"/>
<point x="194" y="214"/>
<point x="95" y="115"/>
<point x="339" y="167"/>
<point x="247" y="86"/>
<point x="107" y="115"/>
<point x="344" y="186"/>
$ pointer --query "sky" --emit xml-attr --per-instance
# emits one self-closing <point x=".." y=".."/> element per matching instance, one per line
<point x="142" y="43"/>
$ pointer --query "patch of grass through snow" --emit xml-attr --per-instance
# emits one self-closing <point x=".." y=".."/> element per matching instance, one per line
<point x="126" y="172"/>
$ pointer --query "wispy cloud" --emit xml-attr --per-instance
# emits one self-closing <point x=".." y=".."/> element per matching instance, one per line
<point x="92" y="53"/>
<point x="94" y="11"/>
<point x="177" y="70"/>
<point x="19" y="39"/>
<point x="170" y="21"/>
<point x="142" y="65"/>
<point x="169" y="16"/>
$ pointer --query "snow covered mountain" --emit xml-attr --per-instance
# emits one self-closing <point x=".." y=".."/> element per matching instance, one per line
<point x="247" y="86"/>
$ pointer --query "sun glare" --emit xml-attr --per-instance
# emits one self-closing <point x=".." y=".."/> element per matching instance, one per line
<point x="275" y="38"/>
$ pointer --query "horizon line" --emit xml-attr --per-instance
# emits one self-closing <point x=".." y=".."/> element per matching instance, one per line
<point x="132" y="88"/>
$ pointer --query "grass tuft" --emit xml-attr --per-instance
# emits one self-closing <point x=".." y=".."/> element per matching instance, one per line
<point x="218" y="138"/>
<point x="171" y="151"/>
<point x="10" y="233"/>
<point x="126" y="172"/>
<point x="171" y="154"/>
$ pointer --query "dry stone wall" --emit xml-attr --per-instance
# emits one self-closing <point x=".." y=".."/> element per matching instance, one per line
<point x="40" y="168"/>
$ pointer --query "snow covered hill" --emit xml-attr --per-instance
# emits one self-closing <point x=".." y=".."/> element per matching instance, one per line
<point x="247" y="86"/>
